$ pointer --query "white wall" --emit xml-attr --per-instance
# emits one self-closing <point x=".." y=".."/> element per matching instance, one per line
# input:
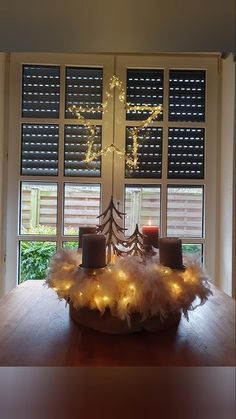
<point x="3" y="58"/>
<point x="226" y="233"/>
<point x="117" y="26"/>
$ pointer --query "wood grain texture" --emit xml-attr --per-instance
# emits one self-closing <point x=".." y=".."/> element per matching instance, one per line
<point x="36" y="330"/>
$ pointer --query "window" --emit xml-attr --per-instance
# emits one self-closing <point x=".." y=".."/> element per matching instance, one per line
<point x="174" y="183"/>
<point x="176" y="175"/>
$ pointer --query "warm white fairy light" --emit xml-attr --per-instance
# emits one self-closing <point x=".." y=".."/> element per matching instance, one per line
<point x="176" y="289"/>
<point x="132" y="288"/>
<point x="188" y="276"/>
<point x="131" y="158"/>
<point x="67" y="286"/>
<point x="122" y="275"/>
<point x="128" y="286"/>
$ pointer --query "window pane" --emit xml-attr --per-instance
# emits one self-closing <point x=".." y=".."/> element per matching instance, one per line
<point x="149" y="154"/>
<point x="187" y="95"/>
<point x="39" y="149"/>
<point x="81" y="207"/>
<point x="70" y="245"/>
<point x="185" y="211"/>
<point x="76" y="138"/>
<point x="34" y="259"/>
<point x="144" y="88"/>
<point x="38" y="208"/>
<point x="186" y="153"/>
<point x="41" y="91"/>
<point x="192" y="253"/>
<point x="142" y="205"/>
<point x="84" y="88"/>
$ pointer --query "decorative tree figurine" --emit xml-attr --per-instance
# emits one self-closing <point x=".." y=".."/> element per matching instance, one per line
<point x="136" y="245"/>
<point x="111" y="229"/>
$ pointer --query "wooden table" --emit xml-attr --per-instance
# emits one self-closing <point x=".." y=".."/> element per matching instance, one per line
<point x="36" y="330"/>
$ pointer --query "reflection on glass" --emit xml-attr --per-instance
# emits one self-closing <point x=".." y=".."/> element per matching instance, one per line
<point x="81" y="207"/>
<point x="185" y="211"/>
<point x="34" y="259"/>
<point x="142" y="206"/>
<point x="192" y="253"/>
<point x="38" y="208"/>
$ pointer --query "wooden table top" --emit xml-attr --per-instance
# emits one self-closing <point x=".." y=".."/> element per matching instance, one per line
<point x="36" y="330"/>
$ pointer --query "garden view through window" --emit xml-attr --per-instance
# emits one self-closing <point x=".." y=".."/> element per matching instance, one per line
<point x="59" y="192"/>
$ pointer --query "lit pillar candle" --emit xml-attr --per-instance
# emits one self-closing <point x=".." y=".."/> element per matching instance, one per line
<point x="151" y="233"/>
<point x="85" y="230"/>
<point x="94" y="251"/>
<point x="170" y="251"/>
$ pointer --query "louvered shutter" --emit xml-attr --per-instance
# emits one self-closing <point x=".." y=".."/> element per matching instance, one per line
<point x="144" y="88"/>
<point x="40" y="91"/>
<point x="187" y="95"/>
<point x="186" y="153"/>
<point x="186" y="104"/>
<point x="149" y="153"/>
<point x="39" y="149"/>
<point x="76" y="137"/>
<point x="83" y="88"/>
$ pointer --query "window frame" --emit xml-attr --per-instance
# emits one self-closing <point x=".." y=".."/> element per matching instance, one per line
<point x="17" y="60"/>
<point x="209" y="63"/>
<point x="112" y="64"/>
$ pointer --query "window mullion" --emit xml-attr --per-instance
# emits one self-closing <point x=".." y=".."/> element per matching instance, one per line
<point x="119" y="139"/>
<point x="60" y="179"/>
<point x="164" y="154"/>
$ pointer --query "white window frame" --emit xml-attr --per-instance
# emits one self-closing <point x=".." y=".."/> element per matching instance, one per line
<point x="210" y="64"/>
<point x="112" y="128"/>
<point x="15" y="120"/>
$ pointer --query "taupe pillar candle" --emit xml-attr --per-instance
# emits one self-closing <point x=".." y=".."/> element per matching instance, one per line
<point x="85" y="230"/>
<point x="94" y="251"/>
<point x="170" y="251"/>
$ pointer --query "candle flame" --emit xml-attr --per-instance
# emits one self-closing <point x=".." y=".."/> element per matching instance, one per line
<point x="149" y="222"/>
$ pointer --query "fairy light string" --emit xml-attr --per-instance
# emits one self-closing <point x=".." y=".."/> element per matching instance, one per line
<point x="131" y="158"/>
<point x="127" y="286"/>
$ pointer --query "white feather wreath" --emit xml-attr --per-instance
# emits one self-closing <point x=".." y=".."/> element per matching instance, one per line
<point x="128" y="286"/>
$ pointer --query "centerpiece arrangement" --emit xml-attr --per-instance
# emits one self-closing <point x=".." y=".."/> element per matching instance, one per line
<point x="116" y="284"/>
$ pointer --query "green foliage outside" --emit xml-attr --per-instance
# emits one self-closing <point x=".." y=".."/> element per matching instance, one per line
<point x="35" y="255"/>
<point x="39" y="230"/>
<point x="191" y="248"/>
<point x="71" y="231"/>
<point x="34" y="259"/>
<point x="70" y="245"/>
<point x="48" y="230"/>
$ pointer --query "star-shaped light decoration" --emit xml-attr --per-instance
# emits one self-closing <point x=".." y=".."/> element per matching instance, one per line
<point x="130" y="158"/>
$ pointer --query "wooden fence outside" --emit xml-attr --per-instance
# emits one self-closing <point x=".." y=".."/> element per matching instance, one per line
<point x="82" y="208"/>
